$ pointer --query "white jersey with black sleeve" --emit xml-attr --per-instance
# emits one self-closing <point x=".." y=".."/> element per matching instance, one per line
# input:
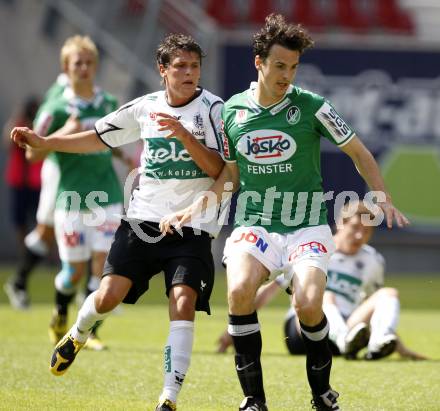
<point x="169" y="180"/>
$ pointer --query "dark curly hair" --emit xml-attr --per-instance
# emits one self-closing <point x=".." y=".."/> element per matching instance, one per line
<point x="277" y="31"/>
<point x="174" y="42"/>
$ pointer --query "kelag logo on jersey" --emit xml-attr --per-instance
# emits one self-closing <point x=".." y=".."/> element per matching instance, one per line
<point x="161" y="150"/>
<point x="343" y="284"/>
<point x="267" y="146"/>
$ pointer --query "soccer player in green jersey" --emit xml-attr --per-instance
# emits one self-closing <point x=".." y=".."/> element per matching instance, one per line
<point x="361" y="312"/>
<point x="180" y="129"/>
<point x="87" y="188"/>
<point x="272" y="134"/>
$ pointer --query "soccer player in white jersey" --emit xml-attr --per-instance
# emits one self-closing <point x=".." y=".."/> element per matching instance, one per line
<point x="180" y="129"/>
<point x="272" y="135"/>
<point x="360" y="311"/>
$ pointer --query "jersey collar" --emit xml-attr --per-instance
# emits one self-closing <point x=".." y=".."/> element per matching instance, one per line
<point x="273" y="108"/>
<point x="197" y="94"/>
<point x="82" y="103"/>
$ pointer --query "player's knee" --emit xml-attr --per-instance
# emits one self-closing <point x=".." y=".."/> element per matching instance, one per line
<point x="240" y="296"/>
<point x="106" y="299"/>
<point x="308" y="307"/>
<point x="112" y="291"/>
<point x="183" y="306"/>
<point x="389" y="292"/>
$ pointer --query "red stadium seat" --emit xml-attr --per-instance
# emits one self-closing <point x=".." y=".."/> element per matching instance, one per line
<point x="136" y="6"/>
<point x="222" y="12"/>
<point x="389" y="16"/>
<point x="305" y="12"/>
<point x="259" y="9"/>
<point x="348" y="16"/>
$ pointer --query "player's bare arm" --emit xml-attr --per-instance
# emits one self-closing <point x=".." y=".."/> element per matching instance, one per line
<point x="228" y="176"/>
<point x="369" y="170"/>
<point x="208" y="160"/>
<point x="84" y="142"/>
<point x="71" y="126"/>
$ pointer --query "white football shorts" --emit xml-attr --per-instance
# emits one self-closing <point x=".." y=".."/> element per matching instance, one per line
<point x="280" y="253"/>
<point x="80" y="233"/>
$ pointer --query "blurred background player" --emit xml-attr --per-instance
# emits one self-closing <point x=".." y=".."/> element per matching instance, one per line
<point x="76" y="107"/>
<point x="361" y="312"/>
<point x="23" y="180"/>
<point x="39" y="242"/>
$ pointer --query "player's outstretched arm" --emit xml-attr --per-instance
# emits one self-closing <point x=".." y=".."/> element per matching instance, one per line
<point x="71" y="126"/>
<point x="84" y="142"/>
<point x="369" y="170"/>
<point x="228" y="180"/>
<point x="208" y="160"/>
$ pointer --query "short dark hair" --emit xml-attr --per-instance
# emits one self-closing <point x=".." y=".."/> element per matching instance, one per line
<point x="277" y="31"/>
<point x="174" y="42"/>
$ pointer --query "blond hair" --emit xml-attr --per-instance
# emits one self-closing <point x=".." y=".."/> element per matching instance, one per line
<point x="76" y="44"/>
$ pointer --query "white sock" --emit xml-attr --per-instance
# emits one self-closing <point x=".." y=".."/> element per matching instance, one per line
<point x="338" y="327"/>
<point x="177" y="356"/>
<point x="384" y="319"/>
<point x="87" y="318"/>
<point x="35" y="244"/>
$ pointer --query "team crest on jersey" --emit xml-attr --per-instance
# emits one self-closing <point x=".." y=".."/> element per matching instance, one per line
<point x="198" y="121"/>
<point x="240" y="116"/>
<point x="267" y="146"/>
<point x="293" y="115"/>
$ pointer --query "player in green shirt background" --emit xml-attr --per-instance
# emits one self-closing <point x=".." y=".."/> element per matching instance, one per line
<point x="272" y="134"/>
<point x="89" y="196"/>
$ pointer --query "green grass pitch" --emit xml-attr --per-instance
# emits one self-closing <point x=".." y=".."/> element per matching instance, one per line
<point x="128" y="376"/>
